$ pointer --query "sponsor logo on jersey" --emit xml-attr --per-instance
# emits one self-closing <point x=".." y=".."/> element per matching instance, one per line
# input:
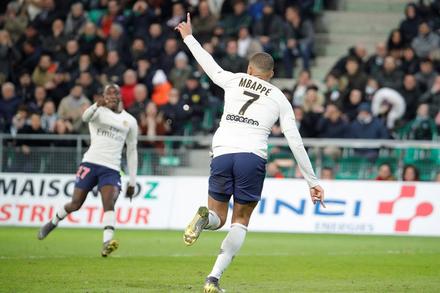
<point x="242" y="119"/>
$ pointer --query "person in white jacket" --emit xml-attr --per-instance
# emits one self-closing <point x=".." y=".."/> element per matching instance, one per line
<point x="252" y="106"/>
<point x="110" y="128"/>
<point x="387" y="97"/>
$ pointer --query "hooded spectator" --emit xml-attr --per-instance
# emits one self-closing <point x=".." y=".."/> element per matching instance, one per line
<point x="389" y="104"/>
<point x="161" y="88"/>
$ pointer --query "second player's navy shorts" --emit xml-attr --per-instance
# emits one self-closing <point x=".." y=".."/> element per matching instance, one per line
<point x="238" y="174"/>
<point x="89" y="175"/>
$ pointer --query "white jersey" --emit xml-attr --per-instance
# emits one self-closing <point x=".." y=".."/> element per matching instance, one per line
<point x="252" y="106"/>
<point x="109" y="131"/>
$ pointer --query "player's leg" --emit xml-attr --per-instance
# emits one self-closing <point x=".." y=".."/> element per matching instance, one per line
<point x="85" y="181"/>
<point x="220" y="190"/>
<point x="109" y="186"/>
<point x="249" y="173"/>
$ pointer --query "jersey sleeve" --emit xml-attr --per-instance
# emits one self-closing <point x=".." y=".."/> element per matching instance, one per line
<point x="91" y="113"/>
<point x="132" y="155"/>
<point x="219" y="76"/>
<point x="288" y="126"/>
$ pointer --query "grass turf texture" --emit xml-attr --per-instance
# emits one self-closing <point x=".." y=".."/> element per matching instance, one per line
<point x="157" y="261"/>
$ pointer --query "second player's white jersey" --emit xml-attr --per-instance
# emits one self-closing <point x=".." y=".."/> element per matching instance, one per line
<point x="109" y="131"/>
<point x="252" y="106"/>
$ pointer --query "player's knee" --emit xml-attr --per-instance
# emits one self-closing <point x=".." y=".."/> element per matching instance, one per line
<point x="222" y="221"/>
<point x="75" y="205"/>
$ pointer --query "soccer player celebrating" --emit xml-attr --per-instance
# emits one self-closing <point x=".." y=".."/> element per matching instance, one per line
<point x="110" y="128"/>
<point x="252" y="106"/>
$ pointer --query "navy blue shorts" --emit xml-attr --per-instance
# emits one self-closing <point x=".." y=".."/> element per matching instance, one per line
<point x="238" y="174"/>
<point x="89" y="175"/>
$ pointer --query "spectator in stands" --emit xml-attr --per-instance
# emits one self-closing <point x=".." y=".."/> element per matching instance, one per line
<point x="390" y="76"/>
<point x="161" y="88"/>
<point x="432" y="96"/>
<point x="313" y="100"/>
<point x="299" y="89"/>
<point x="152" y="124"/>
<point x="395" y="43"/>
<point x="300" y="37"/>
<point x="305" y="129"/>
<point x="426" y="41"/>
<point x="410" y="173"/>
<point x="388" y="104"/>
<point x="8" y="106"/>
<point x="240" y="18"/>
<point x="44" y="72"/>
<point x="408" y="27"/>
<point x="327" y="173"/>
<point x="99" y="57"/>
<point x="76" y="19"/>
<point x="351" y="104"/>
<point x="197" y="99"/>
<point x="354" y="76"/>
<point x="49" y="117"/>
<point x="140" y="94"/>
<point x="232" y="61"/>
<point x="426" y="76"/>
<point x="409" y="62"/>
<point x="178" y="15"/>
<point x="375" y="63"/>
<point x="55" y="42"/>
<point x="15" y="22"/>
<point x="181" y="71"/>
<point x="59" y="87"/>
<point x="72" y="107"/>
<point x="357" y="52"/>
<point x="25" y="87"/>
<point x="332" y="94"/>
<point x="70" y="60"/>
<point x="273" y="171"/>
<point x="385" y="173"/>
<point x="167" y="60"/>
<point x="370" y="89"/>
<point x="331" y="124"/>
<point x="88" y="38"/>
<point x="127" y="89"/>
<point x="43" y="21"/>
<point x="25" y="162"/>
<point x="145" y="73"/>
<point x="411" y="92"/>
<point x="269" y="30"/>
<point x="63" y="127"/>
<point x="114" y="70"/>
<point x="422" y="127"/>
<point x="89" y="84"/>
<point x="36" y="105"/>
<point x="20" y="119"/>
<point x="117" y="41"/>
<point x="141" y="18"/>
<point x="247" y="45"/>
<point x="176" y="112"/>
<point x="113" y="15"/>
<point x="204" y="23"/>
<point x="366" y="126"/>
<point x="155" y="42"/>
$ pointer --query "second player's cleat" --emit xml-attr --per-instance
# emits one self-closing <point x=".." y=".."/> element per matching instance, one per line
<point x="45" y="230"/>
<point x="108" y="247"/>
<point x="212" y="286"/>
<point x="198" y="223"/>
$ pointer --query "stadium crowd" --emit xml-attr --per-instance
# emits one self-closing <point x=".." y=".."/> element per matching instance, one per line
<point x="55" y="57"/>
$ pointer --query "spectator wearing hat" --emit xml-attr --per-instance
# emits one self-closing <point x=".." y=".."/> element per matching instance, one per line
<point x="426" y="41"/>
<point x="269" y="30"/>
<point x="161" y="88"/>
<point x="300" y="38"/>
<point x="181" y="71"/>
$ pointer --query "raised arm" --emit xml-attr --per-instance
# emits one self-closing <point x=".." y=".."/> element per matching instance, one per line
<point x="288" y="126"/>
<point x="90" y="113"/>
<point x="212" y="69"/>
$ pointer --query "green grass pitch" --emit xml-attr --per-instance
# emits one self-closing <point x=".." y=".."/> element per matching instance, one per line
<point x="157" y="261"/>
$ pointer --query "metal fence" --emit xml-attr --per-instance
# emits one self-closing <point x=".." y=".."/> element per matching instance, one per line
<point x="160" y="155"/>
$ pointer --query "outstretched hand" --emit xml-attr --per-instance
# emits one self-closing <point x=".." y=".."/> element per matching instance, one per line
<point x="185" y="28"/>
<point x="317" y="195"/>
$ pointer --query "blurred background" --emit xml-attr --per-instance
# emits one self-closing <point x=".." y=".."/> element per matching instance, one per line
<point x="361" y="75"/>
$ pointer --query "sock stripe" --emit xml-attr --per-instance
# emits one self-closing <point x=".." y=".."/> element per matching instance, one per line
<point x="240" y="226"/>
<point x="58" y="217"/>
<point x="109" y="227"/>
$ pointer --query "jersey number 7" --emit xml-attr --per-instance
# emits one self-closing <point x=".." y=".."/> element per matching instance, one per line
<point x="249" y="102"/>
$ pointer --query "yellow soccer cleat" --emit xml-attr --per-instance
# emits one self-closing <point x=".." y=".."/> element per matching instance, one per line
<point x="212" y="286"/>
<point x="108" y="247"/>
<point x="198" y="223"/>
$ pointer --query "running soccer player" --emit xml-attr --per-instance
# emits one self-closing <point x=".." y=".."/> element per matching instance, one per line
<point x="252" y="106"/>
<point x="110" y="128"/>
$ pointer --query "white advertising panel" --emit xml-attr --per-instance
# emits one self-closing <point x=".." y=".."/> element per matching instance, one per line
<point x="353" y="207"/>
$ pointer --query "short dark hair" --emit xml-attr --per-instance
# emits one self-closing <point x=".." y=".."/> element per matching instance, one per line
<point x="262" y="61"/>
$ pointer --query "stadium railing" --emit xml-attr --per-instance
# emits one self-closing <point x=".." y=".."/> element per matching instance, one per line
<point x="348" y="158"/>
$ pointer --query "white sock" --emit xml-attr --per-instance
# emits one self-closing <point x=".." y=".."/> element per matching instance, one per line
<point x="213" y="222"/>
<point x="109" y="221"/>
<point x="230" y="246"/>
<point x="59" y="215"/>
